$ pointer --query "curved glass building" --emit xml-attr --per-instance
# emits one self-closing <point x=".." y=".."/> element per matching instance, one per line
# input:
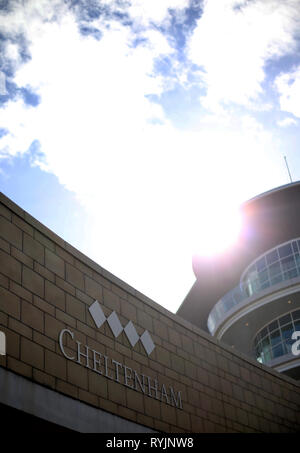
<point x="249" y="297"/>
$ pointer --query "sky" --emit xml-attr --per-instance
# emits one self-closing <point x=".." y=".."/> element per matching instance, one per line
<point x="131" y="127"/>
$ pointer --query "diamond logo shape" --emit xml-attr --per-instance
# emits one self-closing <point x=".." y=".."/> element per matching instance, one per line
<point x="131" y="334"/>
<point x="114" y="324"/>
<point x="97" y="314"/>
<point x="147" y="342"/>
<point x="116" y="327"/>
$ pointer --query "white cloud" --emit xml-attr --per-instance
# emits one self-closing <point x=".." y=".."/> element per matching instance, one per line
<point x="148" y="187"/>
<point x="147" y="11"/>
<point x="288" y="86"/>
<point x="234" y="39"/>
<point x="27" y="18"/>
<point x="98" y="135"/>
<point x="3" y="91"/>
<point x="287" y="122"/>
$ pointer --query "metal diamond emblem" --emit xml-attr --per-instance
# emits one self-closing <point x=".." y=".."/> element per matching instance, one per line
<point x="114" y="324"/>
<point x="97" y="314"/>
<point x="131" y="334"/>
<point x="147" y="342"/>
<point x="116" y="327"/>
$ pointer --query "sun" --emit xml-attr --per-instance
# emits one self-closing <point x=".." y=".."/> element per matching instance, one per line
<point x="216" y="231"/>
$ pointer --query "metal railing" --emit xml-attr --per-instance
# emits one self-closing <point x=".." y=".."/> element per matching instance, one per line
<point x="242" y="292"/>
<point x="274" y="351"/>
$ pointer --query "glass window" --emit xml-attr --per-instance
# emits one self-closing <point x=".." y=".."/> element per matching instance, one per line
<point x="265" y="285"/>
<point x="287" y="331"/>
<point x="285" y="250"/>
<point x="273" y="326"/>
<point x="263" y="276"/>
<point x="295" y="246"/>
<point x="277" y="279"/>
<point x="297" y="259"/>
<point x="296" y="314"/>
<point x="238" y="295"/>
<point x="266" y="355"/>
<point x="288" y="263"/>
<point x="285" y="319"/>
<point x="219" y="311"/>
<point x="272" y="257"/>
<point x="290" y="274"/>
<point x="228" y="303"/>
<point x="261" y="264"/>
<point x="298" y="268"/>
<point x="297" y="325"/>
<point x="249" y="289"/>
<point x="274" y="269"/>
<point x="277" y="351"/>
<point x="288" y="346"/>
<point x="265" y="344"/>
<point x="285" y="347"/>
<point x="255" y="286"/>
<point x="275" y="337"/>
<point x="251" y="272"/>
<point x="264" y="332"/>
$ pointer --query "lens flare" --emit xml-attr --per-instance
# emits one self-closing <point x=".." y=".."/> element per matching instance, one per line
<point x="217" y="231"/>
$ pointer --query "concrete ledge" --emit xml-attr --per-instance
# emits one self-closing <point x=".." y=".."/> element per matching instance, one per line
<point x="24" y="395"/>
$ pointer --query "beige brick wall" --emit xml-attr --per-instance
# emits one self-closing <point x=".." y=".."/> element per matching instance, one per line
<point x="46" y="285"/>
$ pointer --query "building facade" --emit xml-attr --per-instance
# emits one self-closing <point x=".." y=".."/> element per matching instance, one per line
<point x="255" y="308"/>
<point x="86" y="352"/>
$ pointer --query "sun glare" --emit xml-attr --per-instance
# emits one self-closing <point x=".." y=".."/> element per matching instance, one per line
<point x="217" y="231"/>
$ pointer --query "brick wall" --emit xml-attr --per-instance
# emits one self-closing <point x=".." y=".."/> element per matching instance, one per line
<point x="46" y="285"/>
